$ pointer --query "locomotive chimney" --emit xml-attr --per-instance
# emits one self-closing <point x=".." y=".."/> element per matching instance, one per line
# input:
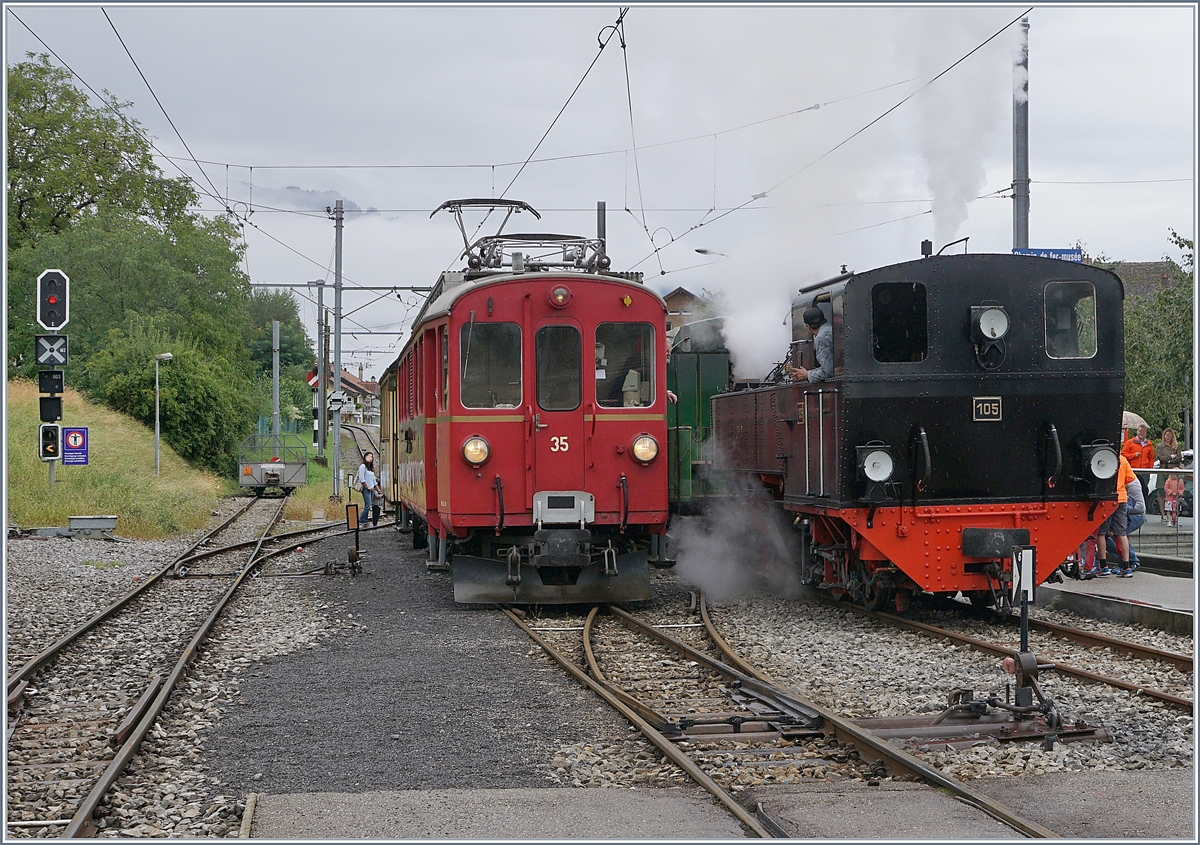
<point x="926" y="249"/>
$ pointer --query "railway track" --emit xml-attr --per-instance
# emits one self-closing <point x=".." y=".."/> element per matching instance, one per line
<point x="79" y="710"/>
<point x="1072" y="651"/>
<point x="364" y="440"/>
<point x="722" y="721"/>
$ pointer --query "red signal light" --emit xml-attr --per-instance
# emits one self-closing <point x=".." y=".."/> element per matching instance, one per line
<point x="53" y="300"/>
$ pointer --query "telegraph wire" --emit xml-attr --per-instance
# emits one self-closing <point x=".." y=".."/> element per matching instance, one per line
<point x="570" y="157"/>
<point x="201" y="191"/>
<point x="162" y="108"/>
<point x="844" y="141"/>
<point x="603" y="43"/>
<point x="599" y="52"/>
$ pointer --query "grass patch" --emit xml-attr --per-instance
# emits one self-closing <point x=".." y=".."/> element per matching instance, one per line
<point x="102" y="564"/>
<point x="315" y="496"/>
<point x="119" y="478"/>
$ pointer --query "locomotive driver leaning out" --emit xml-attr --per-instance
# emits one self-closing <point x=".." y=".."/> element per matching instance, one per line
<point x="822" y="334"/>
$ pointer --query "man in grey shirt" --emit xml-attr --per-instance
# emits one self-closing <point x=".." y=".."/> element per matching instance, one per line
<point x="822" y="334"/>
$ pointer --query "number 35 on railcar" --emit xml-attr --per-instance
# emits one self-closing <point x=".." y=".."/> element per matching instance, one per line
<point x="975" y="405"/>
<point x="524" y="421"/>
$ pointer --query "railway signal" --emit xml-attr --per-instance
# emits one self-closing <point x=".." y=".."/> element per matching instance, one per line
<point x="49" y="435"/>
<point x="50" y="381"/>
<point x="50" y="408"/>
<point x="53" y="310"/>
<point x="52" y="349"/>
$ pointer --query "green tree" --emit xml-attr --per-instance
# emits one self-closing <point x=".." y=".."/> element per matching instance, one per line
<point x="204" y="409"/>
<point x="187" y="271"/>
<point x="1159" y="344"/>
<point x="67" y="157"/>
<point x="295" y="348"/>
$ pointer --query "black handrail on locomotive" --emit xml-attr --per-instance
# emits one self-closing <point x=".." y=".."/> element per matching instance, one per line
<point x="1052" y="434"/>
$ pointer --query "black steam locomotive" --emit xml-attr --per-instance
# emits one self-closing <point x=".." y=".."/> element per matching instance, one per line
<point x="974" y="405"/>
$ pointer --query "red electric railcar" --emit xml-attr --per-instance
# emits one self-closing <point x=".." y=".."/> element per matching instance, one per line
<point x="534" y="476"/>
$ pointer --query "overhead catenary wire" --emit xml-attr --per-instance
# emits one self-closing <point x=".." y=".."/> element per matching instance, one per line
<point x="162" y="108"/>
<point x="844" y="141"/>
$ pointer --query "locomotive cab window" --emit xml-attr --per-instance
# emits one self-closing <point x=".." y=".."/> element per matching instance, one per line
<point x="444" y="332"/>
<point x="1070" y="320"/>
<point x="490" y="356"/>
<point x="899" y="323"/>
<point x="559" y="368"/>
<point x="624" y="365"/>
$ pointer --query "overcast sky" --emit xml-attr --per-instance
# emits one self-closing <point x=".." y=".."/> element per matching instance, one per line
<point x="855" y="124"/>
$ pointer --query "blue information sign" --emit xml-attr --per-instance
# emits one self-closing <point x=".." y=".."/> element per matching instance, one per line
<point x="74" y="446"/>
<point x="1060" y="254"/>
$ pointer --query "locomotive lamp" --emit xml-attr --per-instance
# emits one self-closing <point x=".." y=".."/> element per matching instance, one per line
<point x="1100" y="463"/>
<point x="989" y="325"/>
<point x="560" y="295"/>
<point x="475" y="451"/>
<point x="645" y="448"/>
<point x="875" y="465"/>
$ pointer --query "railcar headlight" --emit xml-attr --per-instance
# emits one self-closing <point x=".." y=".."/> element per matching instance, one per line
<point x="875" y="462"/>
<point x="645" y="448"/>
<point x="475" y="451"/>
<point x="1101" y="461"/>
<point x="560" y="295"/>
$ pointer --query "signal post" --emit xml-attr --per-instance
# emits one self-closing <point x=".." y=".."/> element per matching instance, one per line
<point x="53" y="312"/>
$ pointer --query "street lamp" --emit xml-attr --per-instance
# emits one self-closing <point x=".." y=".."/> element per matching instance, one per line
<point x="166" y="356"/>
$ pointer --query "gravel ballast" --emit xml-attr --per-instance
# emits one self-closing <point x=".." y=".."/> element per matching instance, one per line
<point x="376" y="682"/>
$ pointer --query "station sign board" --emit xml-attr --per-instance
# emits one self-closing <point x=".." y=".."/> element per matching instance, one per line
<point x="1060" y="254"/>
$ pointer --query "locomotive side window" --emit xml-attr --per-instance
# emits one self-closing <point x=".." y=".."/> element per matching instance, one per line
<point x="899" y="325"/>
<point x="1070" y="320"/>
<point x="559" y="368"/>
<point x="624" y="365"/>
<point x="445" y="367"/>
<point x="490" y="356"/>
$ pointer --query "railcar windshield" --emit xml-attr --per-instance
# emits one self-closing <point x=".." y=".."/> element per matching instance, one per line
<point x="899" y="322"/>
<point x="490" y="356"/>
<point x="624" y="365"/>
<point x="559" y="368"/>
<point x="1070" y="319"/>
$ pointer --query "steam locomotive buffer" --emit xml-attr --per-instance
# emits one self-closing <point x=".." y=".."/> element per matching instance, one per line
<point x="974" y="406"/>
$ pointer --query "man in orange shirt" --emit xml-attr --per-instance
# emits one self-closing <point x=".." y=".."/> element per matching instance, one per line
<point x="1140" y="453"/>
<point x="1117" y="525"/>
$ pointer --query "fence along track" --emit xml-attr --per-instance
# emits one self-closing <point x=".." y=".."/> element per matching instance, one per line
<point x="136" y="721"/>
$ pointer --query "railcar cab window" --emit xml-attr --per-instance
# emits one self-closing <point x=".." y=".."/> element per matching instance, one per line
<point x="490" y="356"/>
<point x="899" y="323"/>
<point x="1070" y="320"/>
<point x="444" y="332"/>
<point x="624" y="365"/>
<point x="559" y="368"/>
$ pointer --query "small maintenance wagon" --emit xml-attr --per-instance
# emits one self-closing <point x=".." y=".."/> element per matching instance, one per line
<point x="273" y="461"/>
